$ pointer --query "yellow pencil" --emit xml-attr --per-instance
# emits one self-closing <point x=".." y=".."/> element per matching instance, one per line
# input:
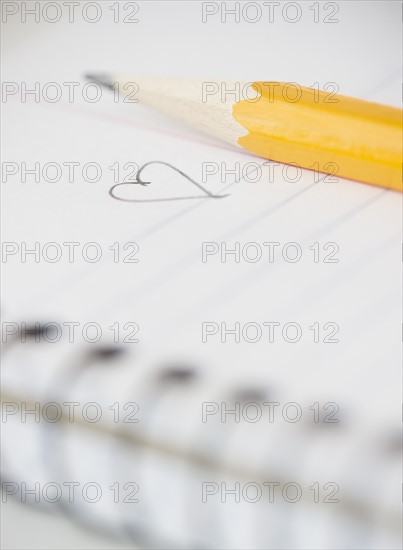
<point x="284" y="122"/>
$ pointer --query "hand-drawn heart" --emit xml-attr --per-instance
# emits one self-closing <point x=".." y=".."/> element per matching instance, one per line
<point x="139" y="181"/>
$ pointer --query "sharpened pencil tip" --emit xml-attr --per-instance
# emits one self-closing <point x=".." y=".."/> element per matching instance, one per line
<point x="101" y="79"/>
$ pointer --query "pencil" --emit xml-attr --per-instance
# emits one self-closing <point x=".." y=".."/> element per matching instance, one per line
<point x="281" y="121"/>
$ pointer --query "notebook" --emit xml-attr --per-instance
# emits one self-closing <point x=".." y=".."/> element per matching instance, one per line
<point x="208" y="348"/>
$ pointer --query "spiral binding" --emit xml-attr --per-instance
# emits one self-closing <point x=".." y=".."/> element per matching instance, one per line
<point x="170" y="452"/>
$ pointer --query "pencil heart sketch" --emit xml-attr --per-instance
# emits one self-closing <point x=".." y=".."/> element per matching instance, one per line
<point x="139" y="181"/>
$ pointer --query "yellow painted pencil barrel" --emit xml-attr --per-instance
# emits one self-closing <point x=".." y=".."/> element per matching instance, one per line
<point x="347" y="137"/>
